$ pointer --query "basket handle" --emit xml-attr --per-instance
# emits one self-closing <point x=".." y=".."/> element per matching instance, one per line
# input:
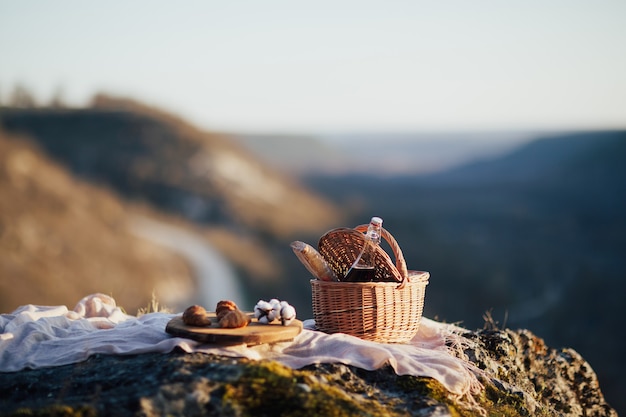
<point x="397" y="252"/>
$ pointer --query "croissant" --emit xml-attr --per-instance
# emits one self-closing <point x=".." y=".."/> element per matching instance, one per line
<point x="196" y="316"/>
<point x="224" y="307"/>
<point x="234" y="319"/>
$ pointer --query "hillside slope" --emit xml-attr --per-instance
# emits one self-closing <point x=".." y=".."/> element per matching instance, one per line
<point x="583" y="156"/>
<point x="249" y="211"/>
<point x="151" y="155"/>
<point x="61" y="239"/>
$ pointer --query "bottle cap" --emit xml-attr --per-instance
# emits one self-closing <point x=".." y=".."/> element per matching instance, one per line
<point x="377" y="221"/>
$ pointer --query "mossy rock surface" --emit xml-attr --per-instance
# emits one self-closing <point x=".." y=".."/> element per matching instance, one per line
<point x="520" y="376"/>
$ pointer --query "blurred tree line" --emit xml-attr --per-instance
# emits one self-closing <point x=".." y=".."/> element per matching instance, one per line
<point x="22" y="97"/>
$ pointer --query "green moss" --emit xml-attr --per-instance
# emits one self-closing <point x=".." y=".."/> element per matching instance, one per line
<point x="495" y="401"/>
<point x="55" y="411"/>
<point x="500" y="402"/>
<point x="269" y="388"/>
<point x="431" y="388"/>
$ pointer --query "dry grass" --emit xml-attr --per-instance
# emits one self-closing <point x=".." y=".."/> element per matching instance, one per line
<point x="154" y="306"/>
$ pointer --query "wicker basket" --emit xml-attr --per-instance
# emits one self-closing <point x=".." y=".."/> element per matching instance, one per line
<point x="388" y="311"/>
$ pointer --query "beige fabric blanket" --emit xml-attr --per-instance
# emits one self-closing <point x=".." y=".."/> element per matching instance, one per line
<point x="41" y="336"/>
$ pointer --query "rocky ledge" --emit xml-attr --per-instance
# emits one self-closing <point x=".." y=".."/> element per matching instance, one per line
<point x="520" y="375"/>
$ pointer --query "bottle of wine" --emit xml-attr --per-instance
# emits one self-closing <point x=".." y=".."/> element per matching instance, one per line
<point x="363" y="268"/>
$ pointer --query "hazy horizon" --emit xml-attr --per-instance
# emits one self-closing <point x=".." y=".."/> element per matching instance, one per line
<point x="381" y="153"/>
<point x="325" y="66"/>
<point x="384" y="153"/>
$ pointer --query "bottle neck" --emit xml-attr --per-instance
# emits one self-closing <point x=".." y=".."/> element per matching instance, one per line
<point x="364" y="267"/>
<point x="371" y="241"/>
<point x="373" y="234"/>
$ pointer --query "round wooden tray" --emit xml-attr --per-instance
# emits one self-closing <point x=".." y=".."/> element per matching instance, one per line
<point x="254" y="333"/>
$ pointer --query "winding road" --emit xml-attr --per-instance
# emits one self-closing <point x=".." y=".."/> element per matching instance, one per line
<point x="215" y="276"/>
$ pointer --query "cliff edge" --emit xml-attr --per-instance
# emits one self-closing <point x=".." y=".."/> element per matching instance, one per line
<point x="520" y="376"/>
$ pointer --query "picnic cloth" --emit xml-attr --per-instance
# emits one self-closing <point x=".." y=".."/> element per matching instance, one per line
<point x="44" y="336"/>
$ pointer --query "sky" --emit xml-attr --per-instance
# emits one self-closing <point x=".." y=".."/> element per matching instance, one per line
<point x="333" y="66"/>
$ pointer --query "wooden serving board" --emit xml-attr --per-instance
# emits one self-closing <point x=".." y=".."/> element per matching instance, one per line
<point x="254" y="333"/>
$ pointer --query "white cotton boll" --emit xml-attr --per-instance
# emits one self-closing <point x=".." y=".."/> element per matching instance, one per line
<point x="287" y="315"/>
<point x="264" y="305"/>
<point x="273" y="314"/>
<point x="268" y="311"/>
<point x="262" y="308"/>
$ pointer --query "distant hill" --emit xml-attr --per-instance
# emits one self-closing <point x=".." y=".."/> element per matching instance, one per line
<point x="202" y="180"/>
<point x="585" y="156"/>
<point x="295" y="154"/>
<point x="382" y="154"/>
<point x="61" y="239"/>
<point x="157" y="157"/>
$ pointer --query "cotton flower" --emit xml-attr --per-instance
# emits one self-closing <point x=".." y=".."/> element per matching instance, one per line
<point x="267" y="312"/>
<point x="287" y="315"/>
<point x="262" y="309"/>
<point x="274" y="313"/>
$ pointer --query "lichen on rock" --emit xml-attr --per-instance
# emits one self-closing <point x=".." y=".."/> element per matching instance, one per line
<point x="548" y="381"/>
<point x="519" y="374"/>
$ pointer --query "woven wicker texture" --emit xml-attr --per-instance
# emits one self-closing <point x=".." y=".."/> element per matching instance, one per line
<point x="388" y="311"/>
<point x="340" y="248"/>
